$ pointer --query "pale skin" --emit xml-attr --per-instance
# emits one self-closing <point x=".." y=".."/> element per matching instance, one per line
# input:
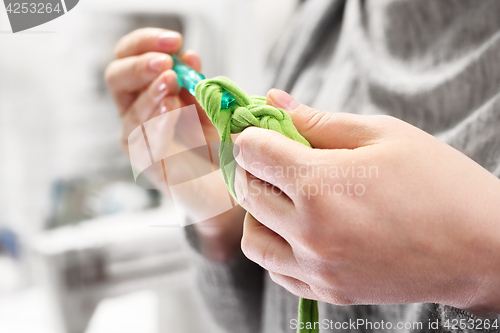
<point x="426" y="229"/>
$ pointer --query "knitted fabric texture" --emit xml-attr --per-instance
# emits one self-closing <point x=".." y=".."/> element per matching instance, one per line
<point x="248" y="111"/>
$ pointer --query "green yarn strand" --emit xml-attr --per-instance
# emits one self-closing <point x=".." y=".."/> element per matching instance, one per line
<point x="244" y="112"/>
<point x="308" y="316"/>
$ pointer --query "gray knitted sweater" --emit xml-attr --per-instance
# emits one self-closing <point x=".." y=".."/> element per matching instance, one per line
<point x="432" y="63"/>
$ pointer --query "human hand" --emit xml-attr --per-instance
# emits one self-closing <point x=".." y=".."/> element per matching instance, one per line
<point x="417" y="221"/>
<point x="144" y="86"/>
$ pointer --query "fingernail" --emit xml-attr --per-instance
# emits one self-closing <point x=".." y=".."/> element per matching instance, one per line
<point x="283" y="100"/>
<point x="162" y="87"/>
<point x="156" y="64"/>
<point x="172" y="103"/>
<point x="169" y="39"/>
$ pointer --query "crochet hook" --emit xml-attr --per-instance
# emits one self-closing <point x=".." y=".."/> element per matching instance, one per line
<point x="188" y="79"/>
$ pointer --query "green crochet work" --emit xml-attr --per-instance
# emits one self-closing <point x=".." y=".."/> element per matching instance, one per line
<point x="244" y="112"/>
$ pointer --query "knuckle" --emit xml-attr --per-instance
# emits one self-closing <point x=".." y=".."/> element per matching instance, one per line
<point x="265" y="258"/>
<point x="310" y="118"/>
<point x="318" y="249"/>
<point x="385" y="117"/>
<point x="296" y="287"/>
<point x="308" y="240"/>
<point x="338" y="298"/>
<point x="259" y="256"/>
<point x="129" y="40"/>
<point x="274" y="277"/>
<point x="170" y="62"/>
<point x="309" y="196"/>
<point x="246" y="246"/>
<point x="385" y="120"/>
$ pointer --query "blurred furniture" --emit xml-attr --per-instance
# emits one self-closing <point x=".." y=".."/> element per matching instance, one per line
<point x="82" y="265"/>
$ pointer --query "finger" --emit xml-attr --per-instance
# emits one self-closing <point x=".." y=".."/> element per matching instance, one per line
<point x="166" y="126"/>
<point x="296" y="287"/>
<point x="327" y="130"/>
<point x="125" y="77"/>
<point x="190" y="100"/>
<point x="279" y="163"/>
<point x="148" y="40"/>
<point x="148" y="104"/>
<point x="192" y="59"/>
<point x="170" y="103"/>
<point x="268" y="249"/>
<point x="261" y="199"/>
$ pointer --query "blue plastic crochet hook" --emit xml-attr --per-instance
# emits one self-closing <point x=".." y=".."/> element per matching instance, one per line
<point x="188" y="79"/>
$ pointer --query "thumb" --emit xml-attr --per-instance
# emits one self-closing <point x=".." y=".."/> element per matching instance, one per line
<point x="326" y="130"/>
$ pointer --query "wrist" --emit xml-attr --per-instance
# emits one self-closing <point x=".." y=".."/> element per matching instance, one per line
<point x="485" y="300"/>
<point x="220" y="236"/>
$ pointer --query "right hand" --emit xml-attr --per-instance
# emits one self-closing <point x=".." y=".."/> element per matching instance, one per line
<point x="143" y="86"/>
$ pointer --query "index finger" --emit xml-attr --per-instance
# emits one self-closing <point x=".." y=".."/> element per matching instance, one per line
<point x="148" y="40"/>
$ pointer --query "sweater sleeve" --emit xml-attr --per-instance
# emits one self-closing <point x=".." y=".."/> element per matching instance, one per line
<point x="232" y="291"/>
<point x="476" y="136"/>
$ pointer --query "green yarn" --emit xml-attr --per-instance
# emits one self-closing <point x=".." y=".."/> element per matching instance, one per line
<point x="308" y="316"/>
<point x="244" y="112"/>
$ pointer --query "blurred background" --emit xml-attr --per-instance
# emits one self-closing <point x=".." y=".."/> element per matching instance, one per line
<point x="78" y="250"/>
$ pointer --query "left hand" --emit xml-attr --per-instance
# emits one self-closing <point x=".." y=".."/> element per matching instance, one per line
<point x="379" y="213"/>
